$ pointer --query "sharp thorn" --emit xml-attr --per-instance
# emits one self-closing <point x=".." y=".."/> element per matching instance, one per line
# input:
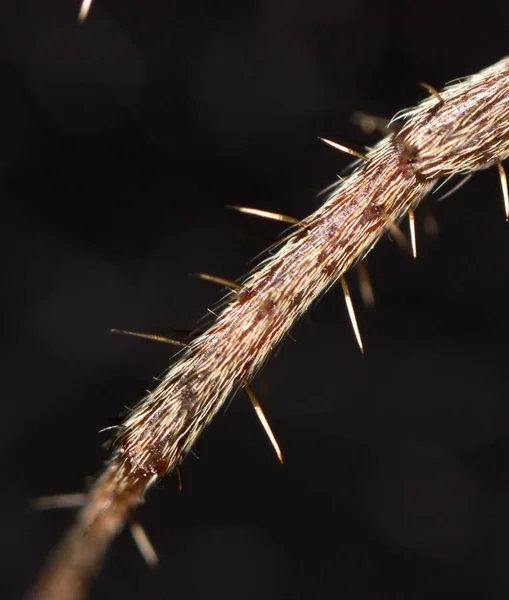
<point x="263" y="421"/>
<point x="219" y="280"/>
<point x="429" y="88"/>
<point x="345" y="149"/>
<point x="503" y="183"/>
<point x="265" y="214"/>
<point x="411" y="225"/>
<point x="351" y="312"/>
<point x="151" y="336"/>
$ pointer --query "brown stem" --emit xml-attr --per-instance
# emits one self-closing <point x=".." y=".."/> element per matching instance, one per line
<point x="74" y="563"/>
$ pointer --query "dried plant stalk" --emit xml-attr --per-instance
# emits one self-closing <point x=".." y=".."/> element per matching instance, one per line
<point x="462" y="129"/>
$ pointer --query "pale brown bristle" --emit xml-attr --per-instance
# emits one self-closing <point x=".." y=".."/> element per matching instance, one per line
<point x="265" y="214"/>
<point x="351" y="312"/>
<point x="429" y="88"/>
<point x="411" y="226"/>
<point x="219" y="280"/>
<point x="264" y="422"/>
<point x="151" y="336"/>
<point x="503" y="183"/>
<point x="345" y="149"/>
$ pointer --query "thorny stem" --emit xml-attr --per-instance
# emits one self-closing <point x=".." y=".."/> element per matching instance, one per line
<point x="462" y="129"/>
<point x="80" y="554"/>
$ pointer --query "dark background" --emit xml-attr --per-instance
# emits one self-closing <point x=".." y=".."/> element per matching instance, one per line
<point x="121" y="143"/>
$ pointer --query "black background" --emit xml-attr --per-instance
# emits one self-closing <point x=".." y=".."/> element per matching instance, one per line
<point x="121" y="143"/>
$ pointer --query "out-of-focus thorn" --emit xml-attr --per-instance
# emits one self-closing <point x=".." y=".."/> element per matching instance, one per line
<point x="60" y="501"/>
<point x="84" y="10"/>
<point x="143" y="543"/>
<point x="430" y="224"/>
<point x="351" y="312"/>
<point x="365" y="287"/>
<point x="369" y="123"/>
